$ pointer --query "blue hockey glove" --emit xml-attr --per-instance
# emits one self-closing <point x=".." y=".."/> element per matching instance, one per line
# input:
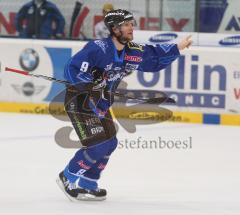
<point x="100" y="108"/>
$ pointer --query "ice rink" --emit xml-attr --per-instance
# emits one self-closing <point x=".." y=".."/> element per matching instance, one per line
<point x="203" y="179"/>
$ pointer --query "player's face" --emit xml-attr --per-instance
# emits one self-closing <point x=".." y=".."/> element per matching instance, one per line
<point x="127" y="30"/>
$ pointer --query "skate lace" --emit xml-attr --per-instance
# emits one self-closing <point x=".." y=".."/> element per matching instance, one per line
<point x="70" y="185"/>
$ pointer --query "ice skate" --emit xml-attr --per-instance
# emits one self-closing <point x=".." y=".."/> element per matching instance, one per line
<point x="75" y="193"/>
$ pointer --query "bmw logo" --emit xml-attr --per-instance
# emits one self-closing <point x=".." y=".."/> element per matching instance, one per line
<point x="29" y="59"/>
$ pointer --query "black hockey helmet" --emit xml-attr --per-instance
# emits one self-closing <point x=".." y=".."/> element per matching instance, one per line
<point x="116" y="18"/>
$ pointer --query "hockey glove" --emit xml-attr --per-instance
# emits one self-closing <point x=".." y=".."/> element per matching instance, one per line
<point x="100" y="108"/>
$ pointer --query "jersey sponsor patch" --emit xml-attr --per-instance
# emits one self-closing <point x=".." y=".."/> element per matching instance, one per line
<point x="136" y="46"/>
<point x="108" y="67"/>
<point x="115" y="77"/>
<point x="133" y="58"/>
<point x="131" y="67"/>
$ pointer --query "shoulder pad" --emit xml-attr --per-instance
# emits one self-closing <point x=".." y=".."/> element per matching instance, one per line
<point x="136" y="46"/>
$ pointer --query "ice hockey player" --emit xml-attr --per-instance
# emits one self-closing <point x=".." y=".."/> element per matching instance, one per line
<point x="95" y="71"/>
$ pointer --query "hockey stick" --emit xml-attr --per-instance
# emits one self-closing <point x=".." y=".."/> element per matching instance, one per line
<point x="156" y="100"/>
<point x="36" y="76"/>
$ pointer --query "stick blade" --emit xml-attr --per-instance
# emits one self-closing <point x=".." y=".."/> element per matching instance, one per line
<point x="16" y="71"/>
<point x="160" y="100"/>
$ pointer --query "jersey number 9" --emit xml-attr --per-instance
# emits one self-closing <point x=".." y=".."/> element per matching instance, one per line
<point x="84" y="66"/>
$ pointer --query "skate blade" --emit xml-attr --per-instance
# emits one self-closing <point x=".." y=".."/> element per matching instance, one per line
<point x="89" y="197"/>
<point x="61" y="186"/>
<point x="80" y="197"/>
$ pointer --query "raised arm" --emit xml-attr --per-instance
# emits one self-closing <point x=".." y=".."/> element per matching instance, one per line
<point x="160" y="56"/>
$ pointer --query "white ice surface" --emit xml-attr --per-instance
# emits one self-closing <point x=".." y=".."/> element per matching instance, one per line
<point x="203" y="180"/>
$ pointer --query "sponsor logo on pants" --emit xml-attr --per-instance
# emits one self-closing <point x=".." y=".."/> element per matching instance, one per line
<point x="97" y="130"/>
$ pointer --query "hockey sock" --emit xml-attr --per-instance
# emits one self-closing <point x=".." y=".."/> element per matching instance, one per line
<point x="85" y="159"/>
<point x="97" y="168"/>
<point x="95" y="171"/>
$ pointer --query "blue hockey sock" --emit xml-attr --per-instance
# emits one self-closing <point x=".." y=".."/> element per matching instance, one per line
<point x="69" y="175"/>
<point x="81" y="162"/>
<point x="97" y="168"/>
<point x="88" y="163"/>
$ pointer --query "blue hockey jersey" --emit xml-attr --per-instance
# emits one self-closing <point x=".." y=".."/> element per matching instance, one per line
<point x="100" y="58"/>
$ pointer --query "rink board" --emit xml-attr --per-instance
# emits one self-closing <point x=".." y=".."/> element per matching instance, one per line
<point x="204" y="81"/>
<point x="181" y="117"/>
